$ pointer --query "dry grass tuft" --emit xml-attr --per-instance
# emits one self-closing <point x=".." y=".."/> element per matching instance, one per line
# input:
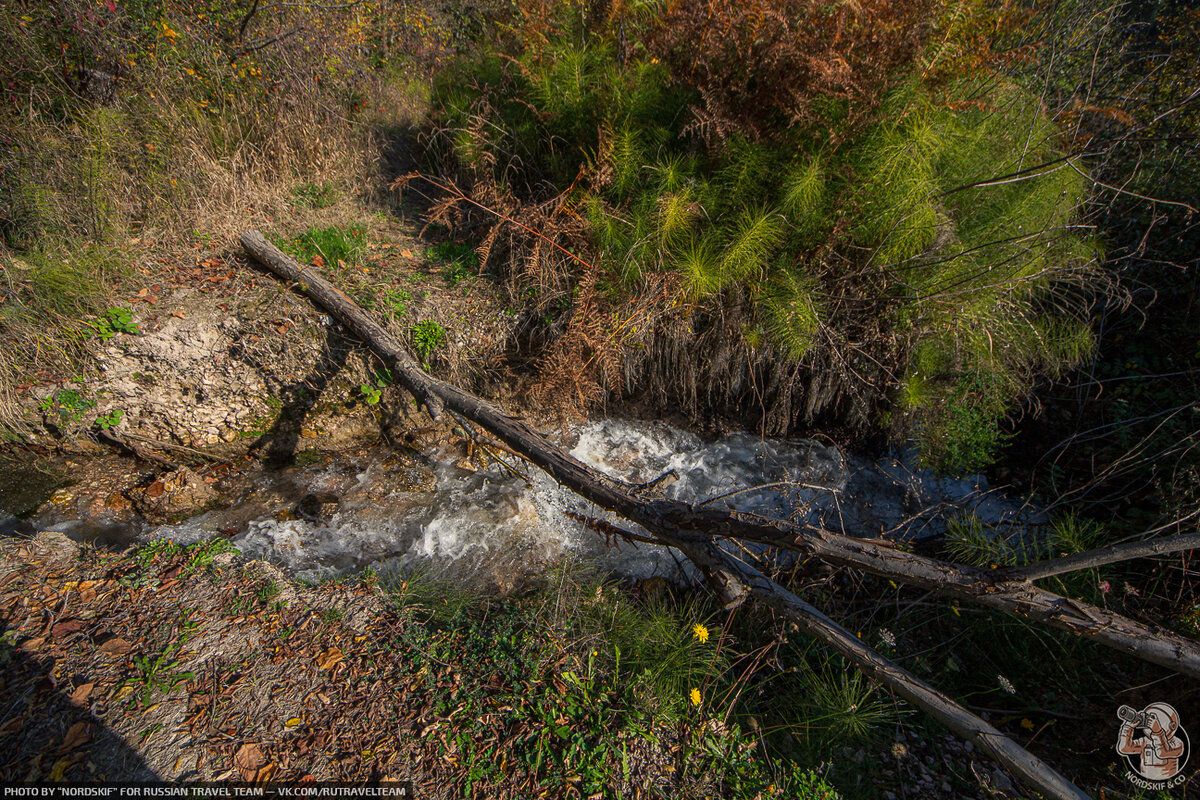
<point x="169" y="131"/>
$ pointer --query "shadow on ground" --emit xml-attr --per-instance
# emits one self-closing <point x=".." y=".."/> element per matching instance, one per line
<point x="48" y="729"/>
<point x="277" y="447"/>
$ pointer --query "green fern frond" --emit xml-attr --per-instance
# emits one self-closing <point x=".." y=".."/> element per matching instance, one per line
<point x="675" y="172"/>
<point x="898" y="200"/>
<point x="804" y="194"/>
<point x="755" y="236"/>
<point x="793" y="316"/>
<point x="746" y="173"/>
<point x="1071" y="534"/>
<point x="1063" y="343"/>
<point x="697" y="263"/>
<point x="625" y="155"/>
<point x="675" y="215"/>
<point x="610" y="231"/>
<point x="915" y="391"/>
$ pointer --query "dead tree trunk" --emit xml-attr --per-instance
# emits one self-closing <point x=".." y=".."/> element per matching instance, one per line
<point x="693" y="528"/>
<point x="1018" y="597"/>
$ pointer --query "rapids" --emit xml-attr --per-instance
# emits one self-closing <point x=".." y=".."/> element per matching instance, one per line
<point x="499" y="527"/>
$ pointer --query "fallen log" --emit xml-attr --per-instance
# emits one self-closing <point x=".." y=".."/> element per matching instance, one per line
<point x="1020" y="597"/>
<point x="670" y="521"/>
<point x="1027" y="767"/>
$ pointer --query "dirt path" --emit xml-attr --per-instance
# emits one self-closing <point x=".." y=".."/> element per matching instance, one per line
<point x="191" y="665"/>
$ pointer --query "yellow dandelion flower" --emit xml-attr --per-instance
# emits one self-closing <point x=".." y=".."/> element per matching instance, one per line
<point x="695" y="696"/>
<point x="700" y="632"/>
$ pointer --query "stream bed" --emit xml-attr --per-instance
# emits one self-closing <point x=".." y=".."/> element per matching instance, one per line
<point x="504" y="524"/>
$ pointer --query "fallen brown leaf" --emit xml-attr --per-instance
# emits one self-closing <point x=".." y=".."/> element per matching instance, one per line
<point x="332" y="656"/>
<point x="65" y="628"/>
<point x="78" y="734"/>
<point x="248" y="759"/>
<point x="115" y="647"/>
<point x="81" y="693"/>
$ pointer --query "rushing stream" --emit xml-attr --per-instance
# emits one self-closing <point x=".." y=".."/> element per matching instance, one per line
<point x="500" y="526"/>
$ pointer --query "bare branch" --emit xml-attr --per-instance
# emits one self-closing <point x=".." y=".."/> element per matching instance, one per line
<point x="1100" y="557"/>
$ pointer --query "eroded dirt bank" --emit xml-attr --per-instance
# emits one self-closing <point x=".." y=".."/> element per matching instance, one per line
<point x="216" y="357"/>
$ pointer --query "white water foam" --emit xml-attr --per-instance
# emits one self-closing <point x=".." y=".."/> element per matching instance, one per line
<point x="499" y="527"/>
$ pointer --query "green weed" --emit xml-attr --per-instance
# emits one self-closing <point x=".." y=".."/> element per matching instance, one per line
<point x="157" y="674"/>
<point x="372" y="390"/>
<point x="114" y="321"/>
<point x="397" y="300"/>
<point x="110" y="420"/>
<point x="69" y="405"/>
<point x="162" y="553"/>
<point x="583" y="702"/>
<point x="428" y="337"/>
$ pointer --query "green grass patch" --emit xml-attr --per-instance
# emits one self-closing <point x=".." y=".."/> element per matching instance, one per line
<point x="331" y="247"/>
<point x="428" y="337"/>
<point x="459" y="260"/>
<point x="593" y="680"/>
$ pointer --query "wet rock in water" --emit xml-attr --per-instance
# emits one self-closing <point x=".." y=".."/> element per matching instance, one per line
<point x="416" y="479"/>
<point x="317" y="506"/>
<point x="12" y="526"/>
<point x="173" y="495"/>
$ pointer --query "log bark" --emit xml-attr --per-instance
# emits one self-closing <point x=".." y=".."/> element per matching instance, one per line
<point x="693" y="528"/>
